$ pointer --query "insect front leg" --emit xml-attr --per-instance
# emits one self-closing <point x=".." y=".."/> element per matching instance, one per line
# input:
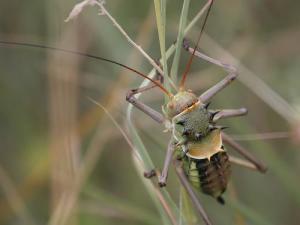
<point x="225" y="113"/>
<point x="206" y="96"/>
<point x="158" y="117"/>
<point x="244" y="152"/>
<point x="189" y="189"/>
<point x="162" y="179"/>
<point x="211" y="92"/>
<point x="227" y="67"/>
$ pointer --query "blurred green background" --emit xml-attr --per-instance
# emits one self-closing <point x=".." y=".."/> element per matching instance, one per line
<point x="48" y="125"/>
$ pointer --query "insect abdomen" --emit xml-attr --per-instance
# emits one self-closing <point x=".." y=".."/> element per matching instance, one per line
<point x="210" y="176"/>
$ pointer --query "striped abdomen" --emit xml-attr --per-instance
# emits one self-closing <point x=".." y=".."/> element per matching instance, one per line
<point x="209" y="175"/>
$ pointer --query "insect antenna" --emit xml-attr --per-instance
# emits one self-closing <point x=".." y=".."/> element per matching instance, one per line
<point x="88" y="56"/>
<point x="188" y="66"/>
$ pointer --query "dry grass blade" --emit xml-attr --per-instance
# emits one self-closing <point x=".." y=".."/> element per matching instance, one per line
<point x="101" y="199"/>
<point x="100" y="4"/>
<point x="65" y="207"/>
<point x="139" y="164"/>
<point x="159" y="195"/>
<point x="14" y="199"/>
<point x="114" y="122"/>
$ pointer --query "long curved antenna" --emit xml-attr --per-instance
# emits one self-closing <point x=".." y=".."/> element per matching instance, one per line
<point x="88" y="56"/>
<point x="188" y="66"/>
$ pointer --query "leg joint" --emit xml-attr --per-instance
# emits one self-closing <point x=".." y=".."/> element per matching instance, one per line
<point x="231" y="77"/>
<point x="129" y="94"/>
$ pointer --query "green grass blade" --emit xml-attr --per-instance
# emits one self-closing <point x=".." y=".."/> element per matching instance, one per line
<point x="148" y="165"/>
<point x="180" y="36"/>
<point x="187" y="209"/>
<point x="160" y="13"/>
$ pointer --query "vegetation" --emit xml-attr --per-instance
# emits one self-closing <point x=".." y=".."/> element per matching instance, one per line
<point x="63" y="160"/>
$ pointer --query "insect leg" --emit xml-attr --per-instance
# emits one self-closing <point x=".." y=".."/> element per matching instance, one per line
<point x="189" y="189"/>
<point x="158" y="117"/>
<point x="211" y="92"/>
<point x="225" y="66"/>
<point x="244" y="152"/>
<point x="223" y="83"/>
<point x="225" y="113"/>
<point x="242" y="162"/>
<point x="162" y="179"/>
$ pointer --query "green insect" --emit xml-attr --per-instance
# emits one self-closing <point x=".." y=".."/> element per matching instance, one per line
<point x="201" y="161"/>
<point x="196" y="146"/>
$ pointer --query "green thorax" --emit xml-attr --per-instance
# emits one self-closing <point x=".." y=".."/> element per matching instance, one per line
<point x="190" y="118"/>
<point x="193" y="123"/>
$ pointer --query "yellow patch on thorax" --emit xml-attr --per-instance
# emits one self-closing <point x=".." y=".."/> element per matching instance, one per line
<point x="206" y="147"/>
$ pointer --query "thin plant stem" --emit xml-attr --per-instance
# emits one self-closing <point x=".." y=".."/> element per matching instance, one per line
<point x="159" y="195"/>
<point x="180" y="36"/>
<point x="133" y="211"/>
<point x="239" y="218"/>
<point x="160" y="13"/>
<point x="139" y="48"/>
<point x="14" y="199"/>
<point x="103" y="11"/>
<point x="197" y="17"/>
<point x="67" y="202"/>
<point x="187" y="210"/>
<point x="165" y="204"/>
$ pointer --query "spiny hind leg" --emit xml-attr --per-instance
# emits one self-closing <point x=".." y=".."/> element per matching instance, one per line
<point x="245" y="153"/>
<point x="225" y="113"/>
<point x="158" y="117"/>
<point x="189" y="189"/>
